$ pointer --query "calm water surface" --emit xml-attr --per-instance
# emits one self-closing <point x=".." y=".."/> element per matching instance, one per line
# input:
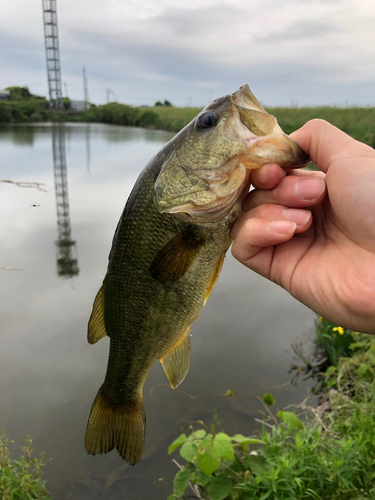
<point x="49" y="374"/>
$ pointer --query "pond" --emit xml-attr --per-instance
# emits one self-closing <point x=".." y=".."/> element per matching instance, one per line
<point x="49" y="374"/>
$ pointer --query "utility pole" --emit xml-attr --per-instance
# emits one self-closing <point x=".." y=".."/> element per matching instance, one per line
<point x="108" y="93"/>
<point x="51" y="39"/>
<point x="85" y="88"/>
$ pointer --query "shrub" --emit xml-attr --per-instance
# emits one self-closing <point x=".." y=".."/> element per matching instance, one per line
<point x="21" y="479"/>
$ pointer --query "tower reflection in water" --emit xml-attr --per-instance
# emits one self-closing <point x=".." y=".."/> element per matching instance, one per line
<point x="67" y="262"/>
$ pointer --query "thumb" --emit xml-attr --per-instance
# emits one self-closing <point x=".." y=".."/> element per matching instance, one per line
<point x="325" y="143"/>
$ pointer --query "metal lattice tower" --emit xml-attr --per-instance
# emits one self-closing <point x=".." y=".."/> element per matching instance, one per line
<point x="67" y="263"/>
<point x="51" y="38"/>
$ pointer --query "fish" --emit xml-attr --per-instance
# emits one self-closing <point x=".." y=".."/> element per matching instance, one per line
<point x="167" y="254"/>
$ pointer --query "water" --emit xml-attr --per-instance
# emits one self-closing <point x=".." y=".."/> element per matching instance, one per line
<point x="49" y="374"/>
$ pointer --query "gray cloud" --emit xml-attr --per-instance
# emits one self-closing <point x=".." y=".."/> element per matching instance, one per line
<point x="315" y="52"/>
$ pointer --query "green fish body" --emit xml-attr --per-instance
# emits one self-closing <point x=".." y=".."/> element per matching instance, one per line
<point x="167" y="254"/>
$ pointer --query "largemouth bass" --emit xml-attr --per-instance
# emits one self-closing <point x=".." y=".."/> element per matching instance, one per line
<point x="167" y="253"/>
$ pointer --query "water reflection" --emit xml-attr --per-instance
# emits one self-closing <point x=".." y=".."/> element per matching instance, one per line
<point x="49" y="374"/>
<point x="67" y="262"/>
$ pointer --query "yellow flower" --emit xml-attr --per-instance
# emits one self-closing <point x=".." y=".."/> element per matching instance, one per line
<point x="320" y="319"/>
<point x="339" y="329"/>
<point x="357" y="333"/>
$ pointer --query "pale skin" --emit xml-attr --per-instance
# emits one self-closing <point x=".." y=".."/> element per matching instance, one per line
<point x="313" y="233"/>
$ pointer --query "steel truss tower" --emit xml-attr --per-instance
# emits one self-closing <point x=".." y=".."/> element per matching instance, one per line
<point x="51" y="38"/>
<point x="67" y="263"/>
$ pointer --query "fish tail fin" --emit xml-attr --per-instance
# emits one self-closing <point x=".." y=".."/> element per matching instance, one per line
<point x="111" y="426"/>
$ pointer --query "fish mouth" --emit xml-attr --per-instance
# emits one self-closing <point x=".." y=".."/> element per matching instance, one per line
<point x="264" y="139"/>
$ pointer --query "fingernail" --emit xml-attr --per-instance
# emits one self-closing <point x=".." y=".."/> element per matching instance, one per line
<point x="263" y="175"/>
<point x="283" y="226"/>
<point x="310" y="189"/>
<point x="300" y="217"/>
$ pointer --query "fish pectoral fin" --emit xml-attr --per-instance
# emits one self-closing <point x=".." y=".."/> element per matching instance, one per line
<point x="96" y="328"/>
<point x="176" y="361"/>
<point x="215" y="277"/>
<point x="174" y="260"/>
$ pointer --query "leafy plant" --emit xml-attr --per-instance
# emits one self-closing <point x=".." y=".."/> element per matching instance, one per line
<point x="327" y="455"/>
<point x="21" y="479"/>
<point x="334" y="339"/>
<point x="330" y="457"/>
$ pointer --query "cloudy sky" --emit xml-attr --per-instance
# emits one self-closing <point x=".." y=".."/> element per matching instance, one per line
<point x="305" y="52"/>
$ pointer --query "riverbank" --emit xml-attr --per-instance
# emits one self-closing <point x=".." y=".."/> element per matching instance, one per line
<point x="357" y="122"/>
<point x="323" y="452"/>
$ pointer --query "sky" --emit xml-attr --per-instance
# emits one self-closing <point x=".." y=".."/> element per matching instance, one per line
<point x="290" y="52"/>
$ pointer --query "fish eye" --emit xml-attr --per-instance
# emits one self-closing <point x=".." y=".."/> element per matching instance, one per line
<point x="207" y="120"/>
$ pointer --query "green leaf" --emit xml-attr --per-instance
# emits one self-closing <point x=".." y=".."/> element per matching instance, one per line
<point x="256" y="463"/>
<point x="208" y="458"/>
<point x="189" y="451"/>
<point x="220" y="487"/>
<point x="223" y="445"/>
<point x="363" y="370"/>
<point x="172" y="497"/>
<point x="181" y="482"/>
<point x="201" y="478"/>
<point x="268" y="399"/>
<point x="176" y="443"/>
<point x="331" y="370"/>
<point x="245" y="440"/>
<point x="199" y="434"/>
<point x="291" y="419"/>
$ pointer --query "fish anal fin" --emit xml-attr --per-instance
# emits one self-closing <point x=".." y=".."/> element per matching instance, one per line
<point x="96" y="328"/>
<point x="176" y="361"/>
<point x="111" y="426"/>
<point x="215" y="277"/>
<point x="174" y="260"/>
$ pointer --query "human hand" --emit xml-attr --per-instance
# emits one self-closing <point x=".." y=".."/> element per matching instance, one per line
<point x="313" y="233"/>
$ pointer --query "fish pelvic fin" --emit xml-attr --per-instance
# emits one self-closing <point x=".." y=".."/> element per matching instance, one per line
<point x="176" y="361"/>
<point x="113" y="426"/>
<point x="96" y="328"/>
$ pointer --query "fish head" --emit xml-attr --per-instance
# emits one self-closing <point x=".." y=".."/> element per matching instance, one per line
<point x="207" y="165"/>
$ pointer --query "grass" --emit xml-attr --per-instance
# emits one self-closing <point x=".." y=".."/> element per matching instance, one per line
<point x="357" y="122"/>
<point x="21" y="479"/>
<point x="175" y="118"/>
<point x="326" y="452"/>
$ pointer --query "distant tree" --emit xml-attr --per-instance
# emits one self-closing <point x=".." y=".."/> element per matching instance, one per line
<point x="158" y="103"/>
<point x="23" y="94"/>
<point x="167" y="104"/>
<point x="66" y="102"/>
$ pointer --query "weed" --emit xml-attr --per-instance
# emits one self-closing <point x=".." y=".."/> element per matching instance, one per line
<point x="21" y="479"/>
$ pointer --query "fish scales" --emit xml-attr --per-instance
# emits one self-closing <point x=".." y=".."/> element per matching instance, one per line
<point x="166" y="256"/>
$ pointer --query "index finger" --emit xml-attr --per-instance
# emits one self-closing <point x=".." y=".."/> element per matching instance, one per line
<point x="326" y="144"/>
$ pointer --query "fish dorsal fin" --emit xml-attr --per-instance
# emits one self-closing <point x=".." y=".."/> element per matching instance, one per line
<point x="173" y="260"/>
<point x="96" y="329"/>
<point x="215" y="276"/>
<point x="176" y="361"/>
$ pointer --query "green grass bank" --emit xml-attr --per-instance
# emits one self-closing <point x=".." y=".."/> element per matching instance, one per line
<point x="320" y="452"/>
<point x="357" y="122"/>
